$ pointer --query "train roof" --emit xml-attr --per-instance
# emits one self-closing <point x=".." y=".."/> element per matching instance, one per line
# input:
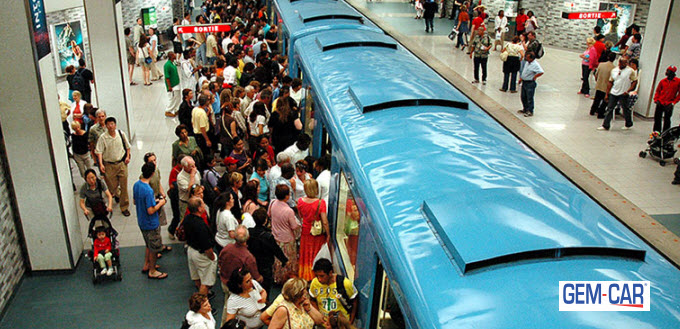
<point x="475" y="229"/>
<point x="303" y="17"/>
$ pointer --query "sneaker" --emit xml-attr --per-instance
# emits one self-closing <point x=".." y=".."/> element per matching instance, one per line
<point x="484" y="83"/>
<point x="579" y="93"/>
<point x="626" y="128"/>
<point x="586" y="95"/>
<point x="109" y="271"/>
<point x="602" y="128"/>
<point x="529" y="114"/>
<point x="103" y="272"/>
<point x="475" y="81"/>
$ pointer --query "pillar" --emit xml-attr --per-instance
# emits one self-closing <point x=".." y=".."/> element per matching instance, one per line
<point x="659" y="50"/>
<point x="107" y="44"/>
<point x="34" y="141"/>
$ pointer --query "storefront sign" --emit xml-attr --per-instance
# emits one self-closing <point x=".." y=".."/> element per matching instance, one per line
<point x="590" y="15"/>
<point x="40" y="36"/>
<point x="206" y="28"/>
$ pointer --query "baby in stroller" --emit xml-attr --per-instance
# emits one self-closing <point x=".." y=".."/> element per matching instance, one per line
<point x="102" y="251"/>
<point x="105" y="253"/>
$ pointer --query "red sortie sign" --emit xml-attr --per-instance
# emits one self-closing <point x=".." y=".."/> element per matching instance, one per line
<point x="207" y="28"/>
<point x="589" y="15"/>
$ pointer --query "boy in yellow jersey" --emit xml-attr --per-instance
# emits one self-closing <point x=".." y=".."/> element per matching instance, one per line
<point x="327" y="296"/>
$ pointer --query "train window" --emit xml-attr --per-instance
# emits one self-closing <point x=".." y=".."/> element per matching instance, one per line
<point x="386" y="313"/>
<point x="347" y="227"/>
<point x="309" y="120"/>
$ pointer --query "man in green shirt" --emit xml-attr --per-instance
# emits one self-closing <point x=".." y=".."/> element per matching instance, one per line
<point x="480" y="46"/>
<point x="172" y="86"/>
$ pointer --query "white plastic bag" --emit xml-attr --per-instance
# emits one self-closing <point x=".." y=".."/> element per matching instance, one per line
<point x="324" y="252"/>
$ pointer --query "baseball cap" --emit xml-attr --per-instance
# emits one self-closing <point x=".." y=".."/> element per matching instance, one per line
<point x="673" y="68"/>
<point x="230" y="160"/>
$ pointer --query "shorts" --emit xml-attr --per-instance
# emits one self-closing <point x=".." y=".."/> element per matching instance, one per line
<point x="131" y="60"/>
<point x="201" y="267"/>
<point x="152" y="239"/>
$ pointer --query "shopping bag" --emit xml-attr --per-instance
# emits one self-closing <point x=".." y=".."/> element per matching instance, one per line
<point x="324" y="252"/>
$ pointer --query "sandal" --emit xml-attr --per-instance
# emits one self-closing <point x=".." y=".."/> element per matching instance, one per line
<point x="166" y="248"/>
<point x="147" y="270"/>
<point x="160" y="276"/>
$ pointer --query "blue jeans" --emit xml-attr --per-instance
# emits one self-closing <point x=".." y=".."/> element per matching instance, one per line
<point x="201" y="55"/>
<point x="527" y="96"/>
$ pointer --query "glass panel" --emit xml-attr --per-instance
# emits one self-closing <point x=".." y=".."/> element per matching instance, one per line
<point x="389" y="313"/>
<point x="347" y="227"/>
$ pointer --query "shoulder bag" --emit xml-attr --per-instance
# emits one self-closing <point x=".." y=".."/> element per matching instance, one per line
<point x="504" y="55"/>
<point x="179" y="231"/>
<point x="317" y="226"/>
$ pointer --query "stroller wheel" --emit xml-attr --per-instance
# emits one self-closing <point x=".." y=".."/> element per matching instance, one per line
<point x="643" y="154"/>
<point x="662" y="163"/>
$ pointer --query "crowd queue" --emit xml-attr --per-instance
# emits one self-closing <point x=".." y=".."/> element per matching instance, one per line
<point x="245" y="196"/>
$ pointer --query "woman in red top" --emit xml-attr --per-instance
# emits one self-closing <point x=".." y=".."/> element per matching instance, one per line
<point x="521" y="21"/>
<point x="310" y="209"/>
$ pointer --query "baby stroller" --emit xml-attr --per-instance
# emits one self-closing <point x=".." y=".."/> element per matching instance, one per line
<point x="103" y="222"/>
<point x="662" y="146"/>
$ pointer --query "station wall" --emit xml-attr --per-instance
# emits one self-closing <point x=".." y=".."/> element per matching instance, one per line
<point x="132" y="9"/>
<point x="11" y="260"/>
<point x="571" y="34"/>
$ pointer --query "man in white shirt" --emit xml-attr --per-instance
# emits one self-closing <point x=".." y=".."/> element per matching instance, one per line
<point x="296" y="90"/>
<point x="188" y="177"/>
<point x="322" y="165"/>
<point x="299" y="150"/>
<point x="187" y="36"/>
<point x="622" y="81"/>
<point x="275" y="171"/>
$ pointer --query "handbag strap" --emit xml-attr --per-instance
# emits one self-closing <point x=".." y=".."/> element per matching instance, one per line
<point x="225" y="128"/>
<point x="287" y="314"/>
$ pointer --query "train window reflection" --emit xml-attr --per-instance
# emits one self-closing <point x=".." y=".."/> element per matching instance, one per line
<point x="347" y="227"/>
<point x="309" y="121"/>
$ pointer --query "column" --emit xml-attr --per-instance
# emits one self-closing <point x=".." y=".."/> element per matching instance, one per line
<point x="34" y="141"/>
<point x="107" y="44"/>
<point x="659" y="50"/>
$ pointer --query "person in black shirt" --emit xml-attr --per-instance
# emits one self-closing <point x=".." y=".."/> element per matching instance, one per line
<point x="184" y="112"/>
<point x="202" y="261"/>
<point x="272" y="38"/>
<point x="87" y="77"/>
<point x="264" y="248"/>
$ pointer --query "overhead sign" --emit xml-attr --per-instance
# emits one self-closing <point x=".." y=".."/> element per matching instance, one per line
<point x="589" y="15"/>
<point x="202" y="28"/>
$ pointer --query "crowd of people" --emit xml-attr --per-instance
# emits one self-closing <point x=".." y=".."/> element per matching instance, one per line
<point x="246" y="197"/>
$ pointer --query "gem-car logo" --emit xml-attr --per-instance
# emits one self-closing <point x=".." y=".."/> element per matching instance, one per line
<point x="619" y="296"/>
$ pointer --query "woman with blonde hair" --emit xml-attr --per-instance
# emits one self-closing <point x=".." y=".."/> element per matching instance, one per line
<point x="292" y="309"/>
<point x="590" y="54"/>
<point x="311" y="209"/>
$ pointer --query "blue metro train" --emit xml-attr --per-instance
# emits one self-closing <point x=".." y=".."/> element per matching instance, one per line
<point x="442" y="217"/>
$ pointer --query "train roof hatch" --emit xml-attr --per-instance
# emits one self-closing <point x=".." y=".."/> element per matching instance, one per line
<point x="396" y="97"/>
<point x="501" y="226"/>
<point x="331" y="41"/>
<point x="315" y="14"/>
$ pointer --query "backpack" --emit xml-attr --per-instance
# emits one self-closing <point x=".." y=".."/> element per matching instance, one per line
<point x="539" y="50"/>
<point x="344" y="297"/>
<point x="78" y="81"/>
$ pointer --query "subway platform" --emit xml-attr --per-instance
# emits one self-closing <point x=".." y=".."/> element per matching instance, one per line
<point x="605" y="164"/>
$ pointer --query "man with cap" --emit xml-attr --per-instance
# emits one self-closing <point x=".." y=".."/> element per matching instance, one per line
<point x="666" y="96"/>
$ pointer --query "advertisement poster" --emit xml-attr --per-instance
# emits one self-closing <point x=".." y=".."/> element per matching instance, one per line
<point x="510" y="8"/>
<point x="149" y="18"/>
<point x="615" y="28"/>
<point x="68" y="43"/>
